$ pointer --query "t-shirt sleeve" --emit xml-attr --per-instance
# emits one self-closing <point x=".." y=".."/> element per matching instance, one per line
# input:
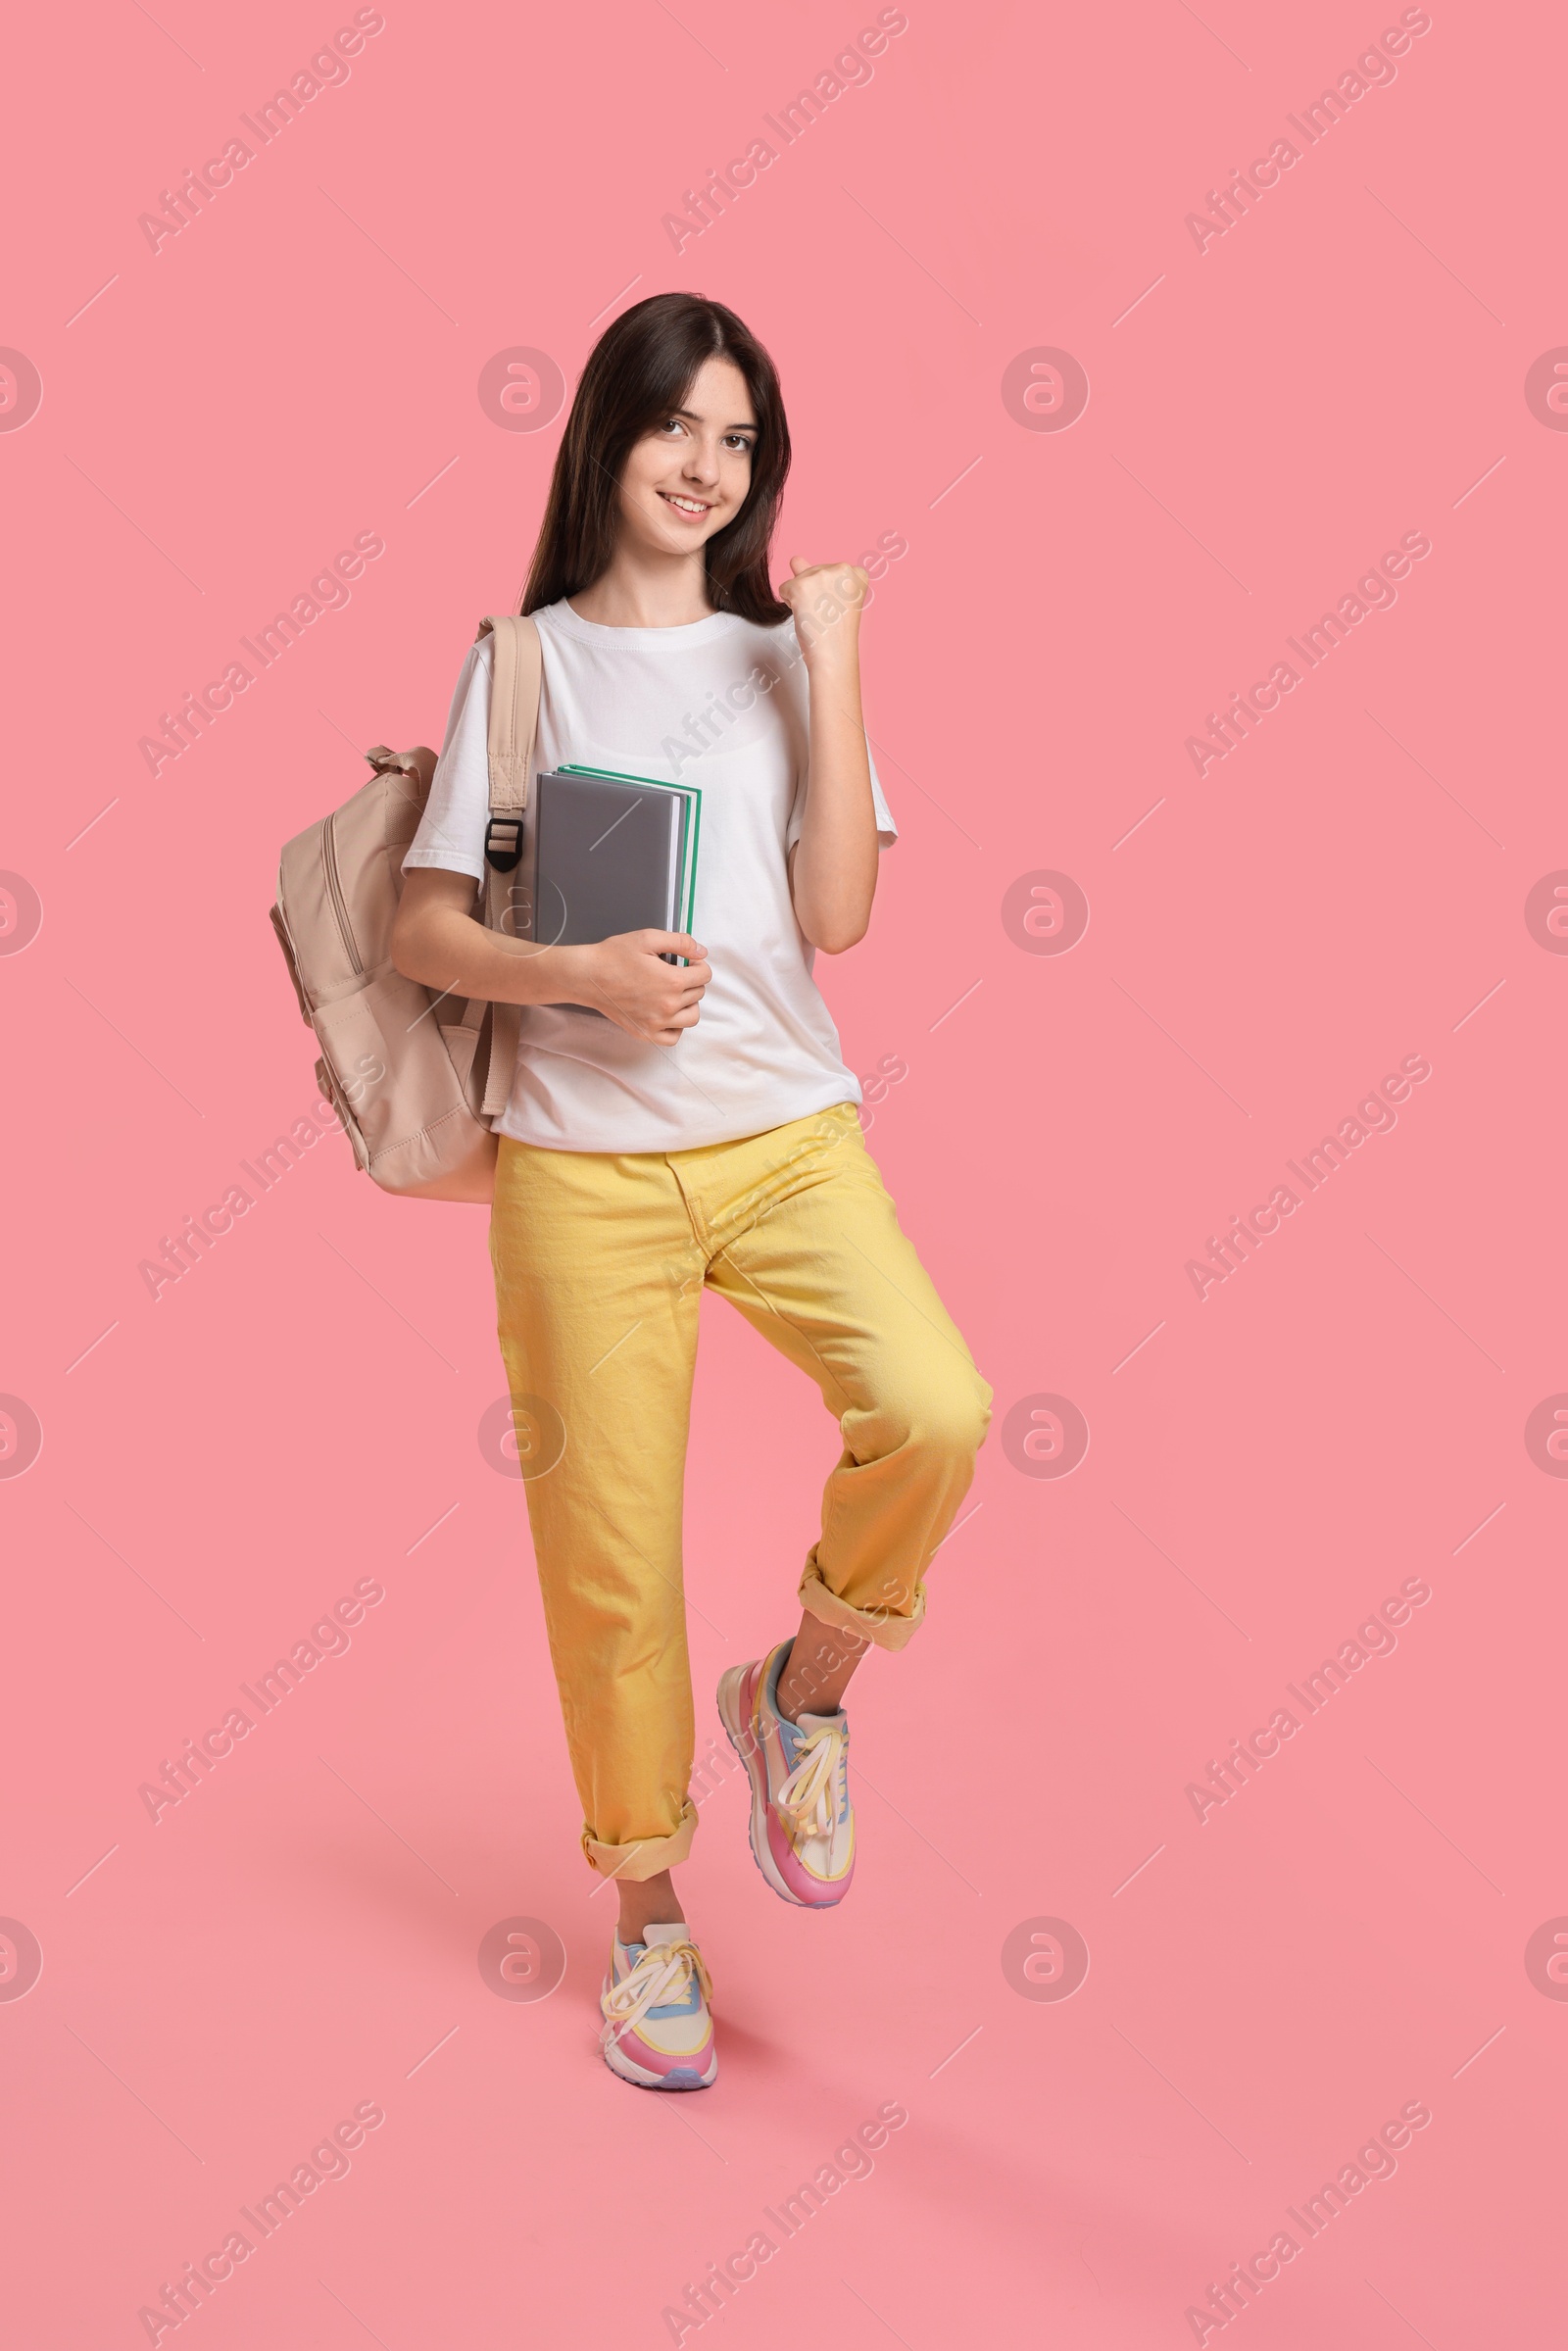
<point x="887" y="832"/>
<point x="452" y="830"/>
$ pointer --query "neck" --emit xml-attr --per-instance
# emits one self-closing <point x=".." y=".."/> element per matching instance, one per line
<point x="643" y="589"/>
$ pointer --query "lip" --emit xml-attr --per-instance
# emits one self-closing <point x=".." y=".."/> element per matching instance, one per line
<point x="703" y="508"/>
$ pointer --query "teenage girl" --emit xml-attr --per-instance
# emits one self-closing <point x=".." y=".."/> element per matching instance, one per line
<point x="702" y="1133"/>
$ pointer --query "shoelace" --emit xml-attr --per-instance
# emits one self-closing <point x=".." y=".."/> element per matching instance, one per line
<point x="808" y="1797"/>
<point x="664" y="1972"/>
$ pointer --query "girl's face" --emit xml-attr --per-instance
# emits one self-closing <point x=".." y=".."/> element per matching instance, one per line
<point x="689" y="477"/>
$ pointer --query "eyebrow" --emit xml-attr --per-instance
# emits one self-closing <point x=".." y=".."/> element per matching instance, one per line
<point x="697" y="419"/>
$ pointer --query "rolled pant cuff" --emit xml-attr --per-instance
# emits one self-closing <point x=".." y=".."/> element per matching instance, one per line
<point x="889" y="1628"/>
<point x="644" y="1856"/>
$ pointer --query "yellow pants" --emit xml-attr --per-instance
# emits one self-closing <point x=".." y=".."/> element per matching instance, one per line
<point x="599" y="1263"/>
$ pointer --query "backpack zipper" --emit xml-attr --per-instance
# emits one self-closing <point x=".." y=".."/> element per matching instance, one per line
<point x="335" y="890"/>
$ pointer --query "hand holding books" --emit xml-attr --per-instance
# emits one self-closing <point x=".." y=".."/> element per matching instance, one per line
<point x="632" y="982"/>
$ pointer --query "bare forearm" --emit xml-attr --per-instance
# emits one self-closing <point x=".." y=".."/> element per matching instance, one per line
<point x="833" y="870"/>
<point x="453" y="952"/>
<point x="649" y="983"/>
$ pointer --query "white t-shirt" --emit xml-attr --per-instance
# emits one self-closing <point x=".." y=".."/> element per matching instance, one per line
<point x="722" y="703"/>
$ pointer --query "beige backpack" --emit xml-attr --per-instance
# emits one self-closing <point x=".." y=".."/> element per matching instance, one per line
<point x="416" y="1077"/>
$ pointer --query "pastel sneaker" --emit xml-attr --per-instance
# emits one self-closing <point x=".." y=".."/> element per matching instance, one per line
<point x="657" y="2030"/>
<point x="803" y="1824"/>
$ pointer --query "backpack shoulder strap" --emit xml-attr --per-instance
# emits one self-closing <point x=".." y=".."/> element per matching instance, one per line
<point x="514" y="708"/>
<point x="514" y="690"/>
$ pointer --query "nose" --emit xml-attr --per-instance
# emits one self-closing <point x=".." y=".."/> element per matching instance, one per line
<point x="702" y="463"/>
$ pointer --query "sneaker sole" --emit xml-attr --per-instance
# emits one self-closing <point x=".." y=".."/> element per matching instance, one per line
<point x="626" y="2069"/>
<point x="745" y="1745"/>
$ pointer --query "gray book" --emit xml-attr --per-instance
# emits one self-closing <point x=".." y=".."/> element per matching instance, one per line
<point x="606" y="853"/>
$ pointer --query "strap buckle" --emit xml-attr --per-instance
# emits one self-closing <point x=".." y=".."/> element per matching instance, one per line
<point x="503" y="843"/>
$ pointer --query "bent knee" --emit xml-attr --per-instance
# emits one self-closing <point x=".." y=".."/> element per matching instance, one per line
<point x="947" y="1422"/>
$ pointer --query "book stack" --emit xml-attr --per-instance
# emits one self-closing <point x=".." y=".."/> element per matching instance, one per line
<point x="603" y="853"/>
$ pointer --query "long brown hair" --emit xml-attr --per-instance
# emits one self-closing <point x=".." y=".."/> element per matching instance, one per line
<point x="639" y="372"/>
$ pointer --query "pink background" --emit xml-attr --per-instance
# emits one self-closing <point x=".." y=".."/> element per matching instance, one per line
<point x="1266" y="1986"/>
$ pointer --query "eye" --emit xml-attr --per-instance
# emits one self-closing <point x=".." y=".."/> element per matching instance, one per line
<point x="740" y="441"/>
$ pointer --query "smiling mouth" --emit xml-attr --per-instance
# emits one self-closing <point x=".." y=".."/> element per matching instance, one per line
<point x="692" y="508"/>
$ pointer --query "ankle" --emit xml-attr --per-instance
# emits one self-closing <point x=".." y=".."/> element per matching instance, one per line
<point x="791" y="1705"/>
<point x="817" y="1670"/>
<point x="813" y="1688"/>
<point x="651" y="1902"/>
<point x="635" y="1930"/>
